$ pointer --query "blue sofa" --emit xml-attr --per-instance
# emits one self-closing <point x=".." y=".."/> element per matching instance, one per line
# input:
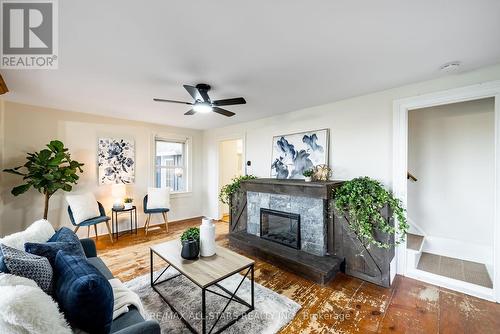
<point x="131" y="322"/>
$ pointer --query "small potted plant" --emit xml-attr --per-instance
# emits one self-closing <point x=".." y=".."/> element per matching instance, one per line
<point x="128" y="203"/>
<point x="190" y="243"/>
<point x="308" y="175"/>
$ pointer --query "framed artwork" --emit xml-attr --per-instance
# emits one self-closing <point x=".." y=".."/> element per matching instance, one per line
<point x="295" y="153"/>
<point x="116" y="161"/>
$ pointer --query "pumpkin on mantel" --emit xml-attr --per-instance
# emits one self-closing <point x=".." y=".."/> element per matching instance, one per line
<point x="3" y="86"/>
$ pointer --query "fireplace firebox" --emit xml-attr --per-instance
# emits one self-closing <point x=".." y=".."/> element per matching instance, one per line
<point x="281" y="227"/>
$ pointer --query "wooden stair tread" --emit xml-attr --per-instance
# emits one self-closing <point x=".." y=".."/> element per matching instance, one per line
<point x="414" y="241"/>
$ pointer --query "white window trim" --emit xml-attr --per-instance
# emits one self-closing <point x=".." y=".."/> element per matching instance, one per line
<point x="188" y="159"/>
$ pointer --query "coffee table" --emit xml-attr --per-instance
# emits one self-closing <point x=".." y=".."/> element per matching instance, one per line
<point x="205" y="272"/>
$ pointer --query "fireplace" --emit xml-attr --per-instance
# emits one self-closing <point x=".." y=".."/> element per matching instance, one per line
<point x="281" y="227"/>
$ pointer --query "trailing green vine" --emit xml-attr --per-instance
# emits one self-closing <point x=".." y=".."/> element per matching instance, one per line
<point x="362" y="200"/>
<point x="229" y="189"/>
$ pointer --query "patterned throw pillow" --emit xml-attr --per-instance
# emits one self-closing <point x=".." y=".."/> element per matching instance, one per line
<point x="27" y="265"/>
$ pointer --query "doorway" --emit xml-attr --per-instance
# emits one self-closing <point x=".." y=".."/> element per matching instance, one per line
<point x="465" y="123"/>
<point x="230" y="166"/>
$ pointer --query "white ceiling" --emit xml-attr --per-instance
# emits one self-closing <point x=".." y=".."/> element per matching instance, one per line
<point x="281" y="55"/>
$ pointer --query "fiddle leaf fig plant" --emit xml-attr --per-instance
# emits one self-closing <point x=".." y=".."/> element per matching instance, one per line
<point x="47" y="171"/>
<point x="229" y="189"/>
<point x="361" y="200"/>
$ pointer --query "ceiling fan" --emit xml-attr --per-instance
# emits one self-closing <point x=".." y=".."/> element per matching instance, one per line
<point x="202" y="102"/>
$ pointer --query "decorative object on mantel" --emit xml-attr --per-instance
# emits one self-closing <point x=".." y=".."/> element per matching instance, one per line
<point x="47" y="171"/>
<point x="362" y="200"/>
<point x="207" y="237"/>
<point x="128" y="203"/>
<point x="3" y="86"/>
<point x="227" y="190"/>
<point x="116" y="161"/>
<point x="308" y="175"/>
<point x="321" y="173"/>
<point x="295" y="153"/>
<point x="190" y="243"/>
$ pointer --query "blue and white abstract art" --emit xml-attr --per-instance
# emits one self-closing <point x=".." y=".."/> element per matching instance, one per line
<point x="116" y="161"/>
<point x="295" y="153"/>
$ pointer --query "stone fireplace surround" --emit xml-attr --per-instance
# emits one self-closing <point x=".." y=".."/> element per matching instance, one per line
<point x="312" y="201"/>
<point x="313" y="227"/>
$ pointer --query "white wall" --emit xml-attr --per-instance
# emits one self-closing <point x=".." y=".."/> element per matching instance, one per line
<point x="29" y="128"/>
<point x="451" y="153"/>
<point x="230" y="165"/>
<point x="360" y="132"/>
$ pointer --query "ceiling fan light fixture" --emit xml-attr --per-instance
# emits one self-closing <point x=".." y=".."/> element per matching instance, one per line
<point x="202" y="107"/>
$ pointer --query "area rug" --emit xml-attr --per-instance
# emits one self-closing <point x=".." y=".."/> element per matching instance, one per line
<point x="272" y="310"/>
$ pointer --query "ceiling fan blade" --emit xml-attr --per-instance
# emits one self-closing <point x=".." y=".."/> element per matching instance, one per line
<point x="172" y="101"/>
<point x="229" y="102"/>
<point x="223" y="111"/>
<point x="194" y="92"/>
<point x="190" y="112"/>
<point x="204" y="95"/>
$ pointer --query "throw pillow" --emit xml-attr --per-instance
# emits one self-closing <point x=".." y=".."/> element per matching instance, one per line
<point x="28" y="265"/>
<point x="39" y="231"/>
<point x="158" y="198"/>
<point x="83" y="293"/>
<point x="65" y="234"/>
<point x="83" y="207"/>
<point x="50" y="249"/>
<point x="25" y="308"/>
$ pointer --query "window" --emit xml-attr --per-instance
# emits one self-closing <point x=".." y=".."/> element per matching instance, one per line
<point x="170" y="165"/>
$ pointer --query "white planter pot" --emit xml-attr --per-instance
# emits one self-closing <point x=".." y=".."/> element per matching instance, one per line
<point x="128" y="206"/>
<point x="307" y="178"/>
<point x="207" y="237"/>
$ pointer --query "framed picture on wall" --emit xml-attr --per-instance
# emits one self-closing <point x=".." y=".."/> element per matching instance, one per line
<point x="297" y="152"/>
<point x="116" y="161"/>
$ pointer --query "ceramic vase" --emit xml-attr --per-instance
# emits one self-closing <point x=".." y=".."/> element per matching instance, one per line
<point x="207" y="237"/>
<point x="307" y="178"/>
<point x="190" y="249"/>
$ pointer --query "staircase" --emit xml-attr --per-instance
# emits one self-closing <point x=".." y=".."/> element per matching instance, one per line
<point x="456" y="274"/>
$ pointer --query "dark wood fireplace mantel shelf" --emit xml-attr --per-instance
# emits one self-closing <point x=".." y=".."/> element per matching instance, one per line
<point x="317" y="189"/>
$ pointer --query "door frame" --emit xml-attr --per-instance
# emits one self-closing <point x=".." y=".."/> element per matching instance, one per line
<point x="219" y="140"/>
<point x="400" y="157"/>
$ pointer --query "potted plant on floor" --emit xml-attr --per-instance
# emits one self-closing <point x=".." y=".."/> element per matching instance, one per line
<point x="190" y="240"/>
<point x="47" y="171"/>
<point x="308" y="175"/>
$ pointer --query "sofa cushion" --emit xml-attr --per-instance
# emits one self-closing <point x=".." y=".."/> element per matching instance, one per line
<point x="50" y="249"/>
<point x="83" y="206"/>
<point x="39" y="231"/>
<point x="28" y="265"/>
<point x="127" y="319"/>
<point x="83" y="293"/>
<point x="99" y="265"/>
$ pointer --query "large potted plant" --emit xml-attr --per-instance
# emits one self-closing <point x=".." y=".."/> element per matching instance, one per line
<point x="47" y="171"/>
<point x="365" y="232"/>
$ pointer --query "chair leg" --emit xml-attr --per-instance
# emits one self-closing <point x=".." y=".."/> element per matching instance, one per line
<point x="88" y="231"/>
<point x="165" y="220"/>
<point x="109" y="231"/>
<point x="146" y="225"/>
<point x="76" y="228"/>
<point x="95" y="229"/>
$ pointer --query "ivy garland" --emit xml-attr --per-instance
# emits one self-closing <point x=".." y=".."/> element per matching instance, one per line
<point x="229" y="189"/>
<point x="362" y="199"/>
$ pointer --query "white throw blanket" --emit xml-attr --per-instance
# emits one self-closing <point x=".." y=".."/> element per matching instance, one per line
<point x="124" y="297"/>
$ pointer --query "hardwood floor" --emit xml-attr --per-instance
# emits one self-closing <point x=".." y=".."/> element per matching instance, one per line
<point x="346" y="305"/>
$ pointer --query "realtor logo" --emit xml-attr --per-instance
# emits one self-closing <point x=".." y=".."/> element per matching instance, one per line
<point x="29" y="34"/>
